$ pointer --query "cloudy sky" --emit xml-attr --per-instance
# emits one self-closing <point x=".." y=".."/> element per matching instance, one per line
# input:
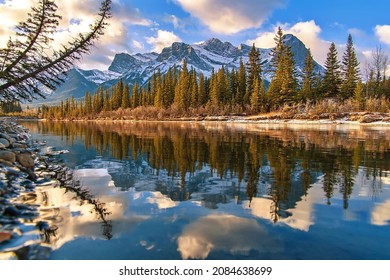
<point x="150" y="25"/>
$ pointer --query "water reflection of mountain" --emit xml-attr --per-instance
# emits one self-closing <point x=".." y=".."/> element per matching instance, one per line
<point x="219" y="162"/>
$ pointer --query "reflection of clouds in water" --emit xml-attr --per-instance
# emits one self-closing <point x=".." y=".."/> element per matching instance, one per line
<point x="156" y="199"/>
<point x="226" y="233"/>
<point x="161" y="201"/>
<point x="380" y="216"/>
<point x="301" y="216"/>
<point x="75" y="219"/>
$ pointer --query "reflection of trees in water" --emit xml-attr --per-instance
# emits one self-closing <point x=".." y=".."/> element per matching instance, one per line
<point x="295" y="157"/>
<point x="84" y="196"/>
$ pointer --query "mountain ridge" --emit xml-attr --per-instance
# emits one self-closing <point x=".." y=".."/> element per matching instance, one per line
<point x="203" y="57"/>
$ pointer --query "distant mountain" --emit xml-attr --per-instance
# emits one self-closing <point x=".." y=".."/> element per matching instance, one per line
<point x="203" y="57"/>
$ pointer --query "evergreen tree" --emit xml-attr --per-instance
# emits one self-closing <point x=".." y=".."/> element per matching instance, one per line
<point x="307" y="90"/>
<point x="332" y="79"/>
<point x="241" y="84"/>
<point x="87" y="103"/>
<point x="253" y="69"/>
<point x="255" y="96"/>
<point x="117" y="92"/>
<point x="25" y="64"/>
<point x="135" y="96"/>
<point x="182" y="99"/>
<point x="263" y="98"/>
<point x="350" y="70"/>
<point x="125" y="103"/>
<point x="277" y="52"/>
<point x="275" y="85"/>
<point x="359" y="95"/>
<point x="289" y="86"/>
<point x="158" y="99"/>
<point x="202" y="90"/>
<point x="193" y="89"/>
<point x="107" y="101"/>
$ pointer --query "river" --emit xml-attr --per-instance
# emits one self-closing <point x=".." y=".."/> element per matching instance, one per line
<point x="219" y="190"/>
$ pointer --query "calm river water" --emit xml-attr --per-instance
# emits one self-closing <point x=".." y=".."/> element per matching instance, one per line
<point x="220" y="191"/>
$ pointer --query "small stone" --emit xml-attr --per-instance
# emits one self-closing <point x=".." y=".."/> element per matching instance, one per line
<point x="5" y="142"/>
<point x="18" y="145"/>
<point x="5" y="136"/>
<point x="7" y="156"/>
<point x="5" y="163"/>
<point x="26" y="160"/>
<point x="12" y="140"/>
<point x="369" y="118"/>
<point x="5" y="236"/>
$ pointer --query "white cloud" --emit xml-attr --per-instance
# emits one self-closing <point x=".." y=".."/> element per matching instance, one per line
<point x="227" y="233"/>
<point x="76" y="17"/>
<point x="356" y="32"/>
<point x="163" y="39"/>
<point x="383" y="33"/>
<point x="231" y="16"/>
<point x="138" y="45"/>
<point x="308" y="32"/>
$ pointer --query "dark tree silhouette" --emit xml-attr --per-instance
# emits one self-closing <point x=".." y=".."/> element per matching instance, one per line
<point x="29" y="64"/>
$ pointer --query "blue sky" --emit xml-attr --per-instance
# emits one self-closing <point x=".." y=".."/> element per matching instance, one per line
<point x="150" y="25"/>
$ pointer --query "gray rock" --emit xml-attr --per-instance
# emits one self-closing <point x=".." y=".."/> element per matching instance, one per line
<point x="5" y="136"/>
<point x="11" y="140"/>
<point x="26" y="160"/>
<point x="18" y="145"/>
<point x="7" y="156"/>
<point x="5" y="142"/>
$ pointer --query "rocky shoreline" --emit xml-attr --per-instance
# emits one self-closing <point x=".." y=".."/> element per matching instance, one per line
<point x="25" y="164"/>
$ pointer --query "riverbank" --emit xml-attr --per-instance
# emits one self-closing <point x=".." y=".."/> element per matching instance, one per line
<point x="25" y="165"/>
<point x="288" y="115"/>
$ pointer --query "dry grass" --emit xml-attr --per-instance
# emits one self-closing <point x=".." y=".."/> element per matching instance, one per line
<point x="324" y="109"/>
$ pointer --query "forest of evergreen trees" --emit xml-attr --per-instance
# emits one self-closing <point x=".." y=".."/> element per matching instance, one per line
<point x="242" y="90"/>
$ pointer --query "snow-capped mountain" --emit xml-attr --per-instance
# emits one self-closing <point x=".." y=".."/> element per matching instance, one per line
<point x="203" y="57"/>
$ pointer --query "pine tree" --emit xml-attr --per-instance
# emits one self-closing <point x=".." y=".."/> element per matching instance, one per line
<point x="359" y="95"/>
<point x="332" y="79"/>
<point x="87" y="103"/>
<point x="125" y="103"/>
<point x="253" y="69"/>
<point x="25" y="64"/>
<point x="277" y="52"/>
<point x="222" y="86"/>
<point x="182" y="99"/>
<point x="116" y="97"/>
<point x="107" y="101"/>
<point x="350" y="70"/>
<point x="289" y="86"/>
<point x="158" y="99"/>
<point x="135" y="96"/>
<point x="214" y="91"/>
<point x="241" y="84"/>
<point x="202" y="90"/>
<point x="307" y="90"/>
<point x="263" y="98"/>
<point x="255" y="96"/>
